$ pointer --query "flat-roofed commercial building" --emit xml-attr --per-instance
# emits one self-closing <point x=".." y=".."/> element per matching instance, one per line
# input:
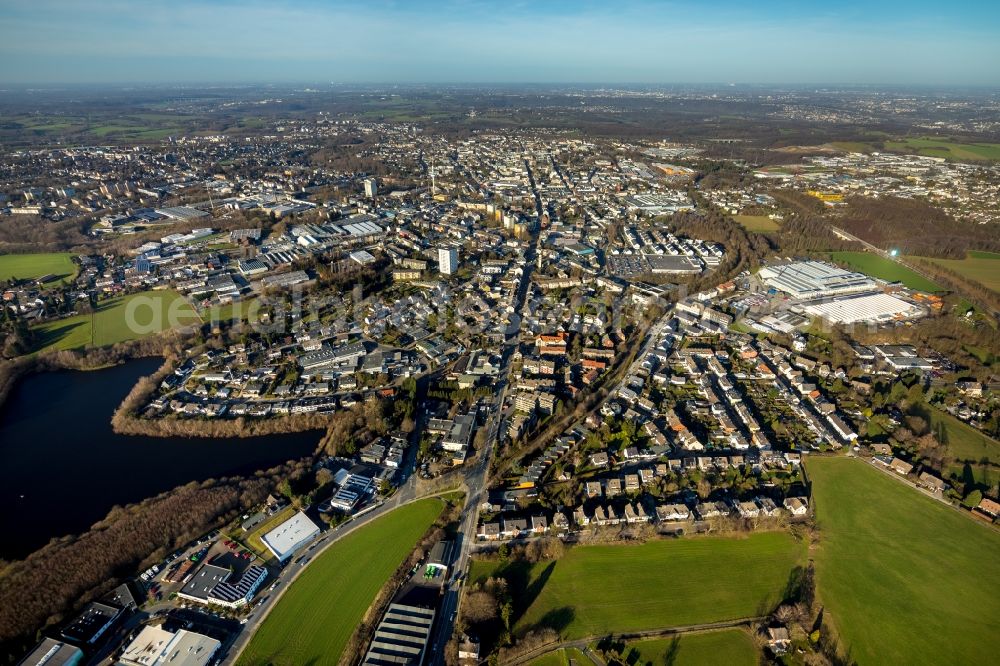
<point x="876" y="307"/>
<point x="221" y="586"/>
<point x="813" y="279"/>
<point x="290" y="535"/>
<point x="92" y="623"/>
<point x="51" y="652"/>
<point x="285" y="280"/>
<point x="155" y="646"/>
<point x="401" y="637"/>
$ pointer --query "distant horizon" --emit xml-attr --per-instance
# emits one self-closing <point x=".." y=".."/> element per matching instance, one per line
<point x="595" y="85"/>
<point x="641" y="42"/>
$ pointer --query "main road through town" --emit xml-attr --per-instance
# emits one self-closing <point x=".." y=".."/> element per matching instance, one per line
<point x="475" y="481"/>
<point x="476" y="476"/>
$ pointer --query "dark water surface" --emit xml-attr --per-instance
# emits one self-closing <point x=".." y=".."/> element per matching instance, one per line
<point x="62" y="468"/>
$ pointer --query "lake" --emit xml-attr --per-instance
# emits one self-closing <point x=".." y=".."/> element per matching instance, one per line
<point x="62" y="468"/>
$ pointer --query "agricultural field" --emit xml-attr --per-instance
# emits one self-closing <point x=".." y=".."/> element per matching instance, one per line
<point x="981" y="267"/>
<point x="759" y="223"/>
<point x="132" y="126"/>
<point x="853" y="146"/>
<point x="118" y="319"/>
<point x="952" y="150"/>
<point x="903" y="578"/>
<point x="885" y="269"/>
<point x="32" y="266"/>
<point x="315" y="618"/>
<point x="733" y="647"/>
<point x="597" y="590"/>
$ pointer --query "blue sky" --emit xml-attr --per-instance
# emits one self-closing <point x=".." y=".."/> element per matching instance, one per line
<point x="721" y="41"/>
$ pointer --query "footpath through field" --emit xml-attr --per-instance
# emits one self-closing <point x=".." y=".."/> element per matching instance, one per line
<point x="583" y="643"/>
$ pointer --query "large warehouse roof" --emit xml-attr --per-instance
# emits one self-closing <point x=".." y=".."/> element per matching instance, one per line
<point x="869" y="307"/>
<point x="286" y="538"/>
<point x="809" y="279"/>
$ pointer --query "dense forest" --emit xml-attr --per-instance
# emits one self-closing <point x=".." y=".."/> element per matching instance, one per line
<point x="915" y="227"/>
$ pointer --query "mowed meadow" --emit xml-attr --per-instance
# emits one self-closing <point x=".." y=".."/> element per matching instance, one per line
<point x="732" y="647"/>
<point x="118" y="319"/>
<point x="597" y="590"/>
<point x="885" y="269"/>
<point x="903" y="578"/>
<point x="981" y="267"/>
<point x="33" y="266"/>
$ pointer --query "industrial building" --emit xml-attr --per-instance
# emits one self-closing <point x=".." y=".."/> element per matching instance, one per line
<point x="353" y="488"/>
<point x="877" y="307"/>
<point x="401" y="637"/>
<point x="290" y="535"/>
<point x="813" y="279"/>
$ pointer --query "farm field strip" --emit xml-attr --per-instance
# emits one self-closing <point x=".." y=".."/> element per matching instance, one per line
<point x="885" y="269"/>
<point x="981" y="267"/>
<point x="733" y="647"/>
<point x="948" y="149"/>
<point x="317" y="615"/>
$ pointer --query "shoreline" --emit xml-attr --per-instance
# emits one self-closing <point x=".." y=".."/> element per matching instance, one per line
<point x="126" y="421"/>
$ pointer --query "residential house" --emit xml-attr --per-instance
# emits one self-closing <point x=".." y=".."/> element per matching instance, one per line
<point x="672" y="512"/>
<point x="797" y="506"/>
<point x="489" y="531"/>
<point x="900" y="467"/>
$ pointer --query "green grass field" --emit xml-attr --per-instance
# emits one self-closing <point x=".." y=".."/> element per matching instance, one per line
<point x="597" y="590"/>
<point x="963" y="441"/>
<point x="948" y="149"/>
<point x="885" y="269"/>
<point x="117" y="320"/>
<point x="904" y="579"/>
<point x="561" y="657"/>
<point x="982" y="267"/>
<point x="317" y="615"/>
<point x="31" y="266"/>
<point x="732" y="647"/>
<point x="758" y="223"/>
